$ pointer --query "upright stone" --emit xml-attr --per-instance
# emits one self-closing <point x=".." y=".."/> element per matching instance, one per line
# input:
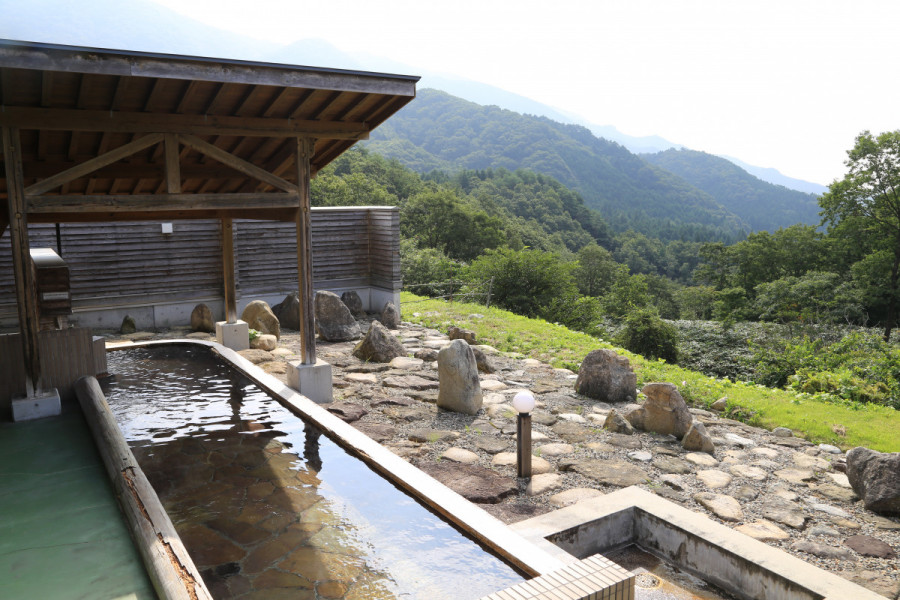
<point x="390" y="316"/>
<point x="665" y="411"/>
<point x="459" y="390"/>
<point x="334" y="323"/>
<point x="128" y="325"/>
<point x="379" y="345"/>
<point x="202" y="319"/>
<point x="288" y="311"/>
<point x="606" y="376"/>
<point x="352" y="301"/>
<point x="259" y="316"/>
<point x="697" y="438"/>
<point x="875" y="477"/>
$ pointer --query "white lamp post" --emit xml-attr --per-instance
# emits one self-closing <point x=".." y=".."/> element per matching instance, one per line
<point x="523" y="402"/>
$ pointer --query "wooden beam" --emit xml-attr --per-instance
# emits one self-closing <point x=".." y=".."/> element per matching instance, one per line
<point x="4" y="216"/>
<point x="304" y="148"/>
<point x="74" y="204"/>
<point x="26" y="296"/>
<point x="228" y="270"/>
<point x="58" y="119"/>
<point x="93" y="164"/>
<point x="238" y="164"/>
<point x="286" y="215"/>
<point x="43" y="169"/>
<point x="173" y="165"/>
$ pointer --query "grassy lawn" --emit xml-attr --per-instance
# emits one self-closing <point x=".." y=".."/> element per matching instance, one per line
<point x="873" y="426"/>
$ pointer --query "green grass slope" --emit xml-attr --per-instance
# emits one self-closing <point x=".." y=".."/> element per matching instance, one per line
<point x="872" y="426"/>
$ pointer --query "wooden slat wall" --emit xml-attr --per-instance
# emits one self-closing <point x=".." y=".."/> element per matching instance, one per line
<point x="134" y="263"/>
<point x="66" y="355"/>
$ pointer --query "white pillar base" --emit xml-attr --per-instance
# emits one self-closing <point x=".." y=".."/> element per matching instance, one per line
<point x="233" y="335"/>
<point x="38" y="406"/>
<point x="313" y="381"/>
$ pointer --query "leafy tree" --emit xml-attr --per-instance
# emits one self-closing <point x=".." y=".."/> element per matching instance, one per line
<point x="525" y="281"/>
<point x="596" y="270"/>
<point x="696" y="302"/>
<point x="439" y="219"/>
<point x="628" y="293"/>
<point x="870" y="195"/>
<point x="648" y="335"/>
<point x="422" y="266"/>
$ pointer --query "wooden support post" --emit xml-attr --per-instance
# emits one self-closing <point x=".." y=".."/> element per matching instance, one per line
<point x="304" y="151"/>
<point x="228" y="270"/>
<point x="173" y="164"/>
<point x="26" y="298"/>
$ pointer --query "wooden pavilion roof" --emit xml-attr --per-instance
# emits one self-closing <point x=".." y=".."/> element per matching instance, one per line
<point x="228" y="127"/>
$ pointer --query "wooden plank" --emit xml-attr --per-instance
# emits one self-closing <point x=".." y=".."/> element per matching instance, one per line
<point x="150" y="202"/>
<point x="93" y="164"/>
<point x="173" y="164"/>
<point x="238" y="164"/>
<point x="26" y="300"/>
<point x="304" y="150"/>
<point x="228" y="270"/>
<point x="57" y="119"/>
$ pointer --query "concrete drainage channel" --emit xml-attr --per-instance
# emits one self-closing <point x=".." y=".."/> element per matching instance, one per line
<point x="732" y="562"/>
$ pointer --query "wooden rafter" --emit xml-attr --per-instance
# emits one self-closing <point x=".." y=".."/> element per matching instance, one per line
<point x="122" y="122"/>
<point x="93" y="164"/>
<point x="238" y="164"/>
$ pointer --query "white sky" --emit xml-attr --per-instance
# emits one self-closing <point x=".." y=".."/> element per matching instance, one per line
<point x="777" y="83"/>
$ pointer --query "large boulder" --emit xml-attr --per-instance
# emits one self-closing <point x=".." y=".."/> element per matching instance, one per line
<point x="604" y="375"/>
<point x="202" y="319"/>
<point x="379" y="345"/>
<point x="353" y="302"/>
<point x="390" y="316"/>
<point x="259" y="316"/>
<point x="288" y="311"/>
<point x="664" y="411"/>
<point x="460" y="389"/>
<point x="875" y="477"/>
<point x="334" y="323"/>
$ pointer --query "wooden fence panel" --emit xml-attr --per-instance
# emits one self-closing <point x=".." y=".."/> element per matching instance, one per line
<point x="135" y="263"/>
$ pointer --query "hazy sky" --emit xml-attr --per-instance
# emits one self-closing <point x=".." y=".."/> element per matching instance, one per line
<point x="783" y="83"/>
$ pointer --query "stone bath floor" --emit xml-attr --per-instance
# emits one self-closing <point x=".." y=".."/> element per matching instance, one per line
<point x="784" y="491"/>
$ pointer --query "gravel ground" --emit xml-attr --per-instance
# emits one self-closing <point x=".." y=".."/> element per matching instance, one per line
<point x="793" y="491"/>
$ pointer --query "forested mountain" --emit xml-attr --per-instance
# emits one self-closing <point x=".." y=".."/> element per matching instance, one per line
<point x="762" y="205"/>
<point x="439" y="131"/>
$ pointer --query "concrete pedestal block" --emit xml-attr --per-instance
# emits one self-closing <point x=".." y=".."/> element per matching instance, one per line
<point x="43" y="404"/>
<point x="313" y="381"/>
<point x="98" y="343"/>
<point x="233" y="335"/>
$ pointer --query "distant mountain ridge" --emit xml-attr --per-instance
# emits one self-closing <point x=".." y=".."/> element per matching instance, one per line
<point x="145" y="26"/>
<point x="762" y="205"/>
<point x="440" y="131"/>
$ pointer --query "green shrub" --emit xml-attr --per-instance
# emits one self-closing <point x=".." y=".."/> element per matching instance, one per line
<point x="648" y="335"/>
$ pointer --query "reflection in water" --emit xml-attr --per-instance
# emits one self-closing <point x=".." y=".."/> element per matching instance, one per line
<point x="260" y="519"/>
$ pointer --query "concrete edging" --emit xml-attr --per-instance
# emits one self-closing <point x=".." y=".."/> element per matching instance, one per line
<point x="729" y="559"/>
